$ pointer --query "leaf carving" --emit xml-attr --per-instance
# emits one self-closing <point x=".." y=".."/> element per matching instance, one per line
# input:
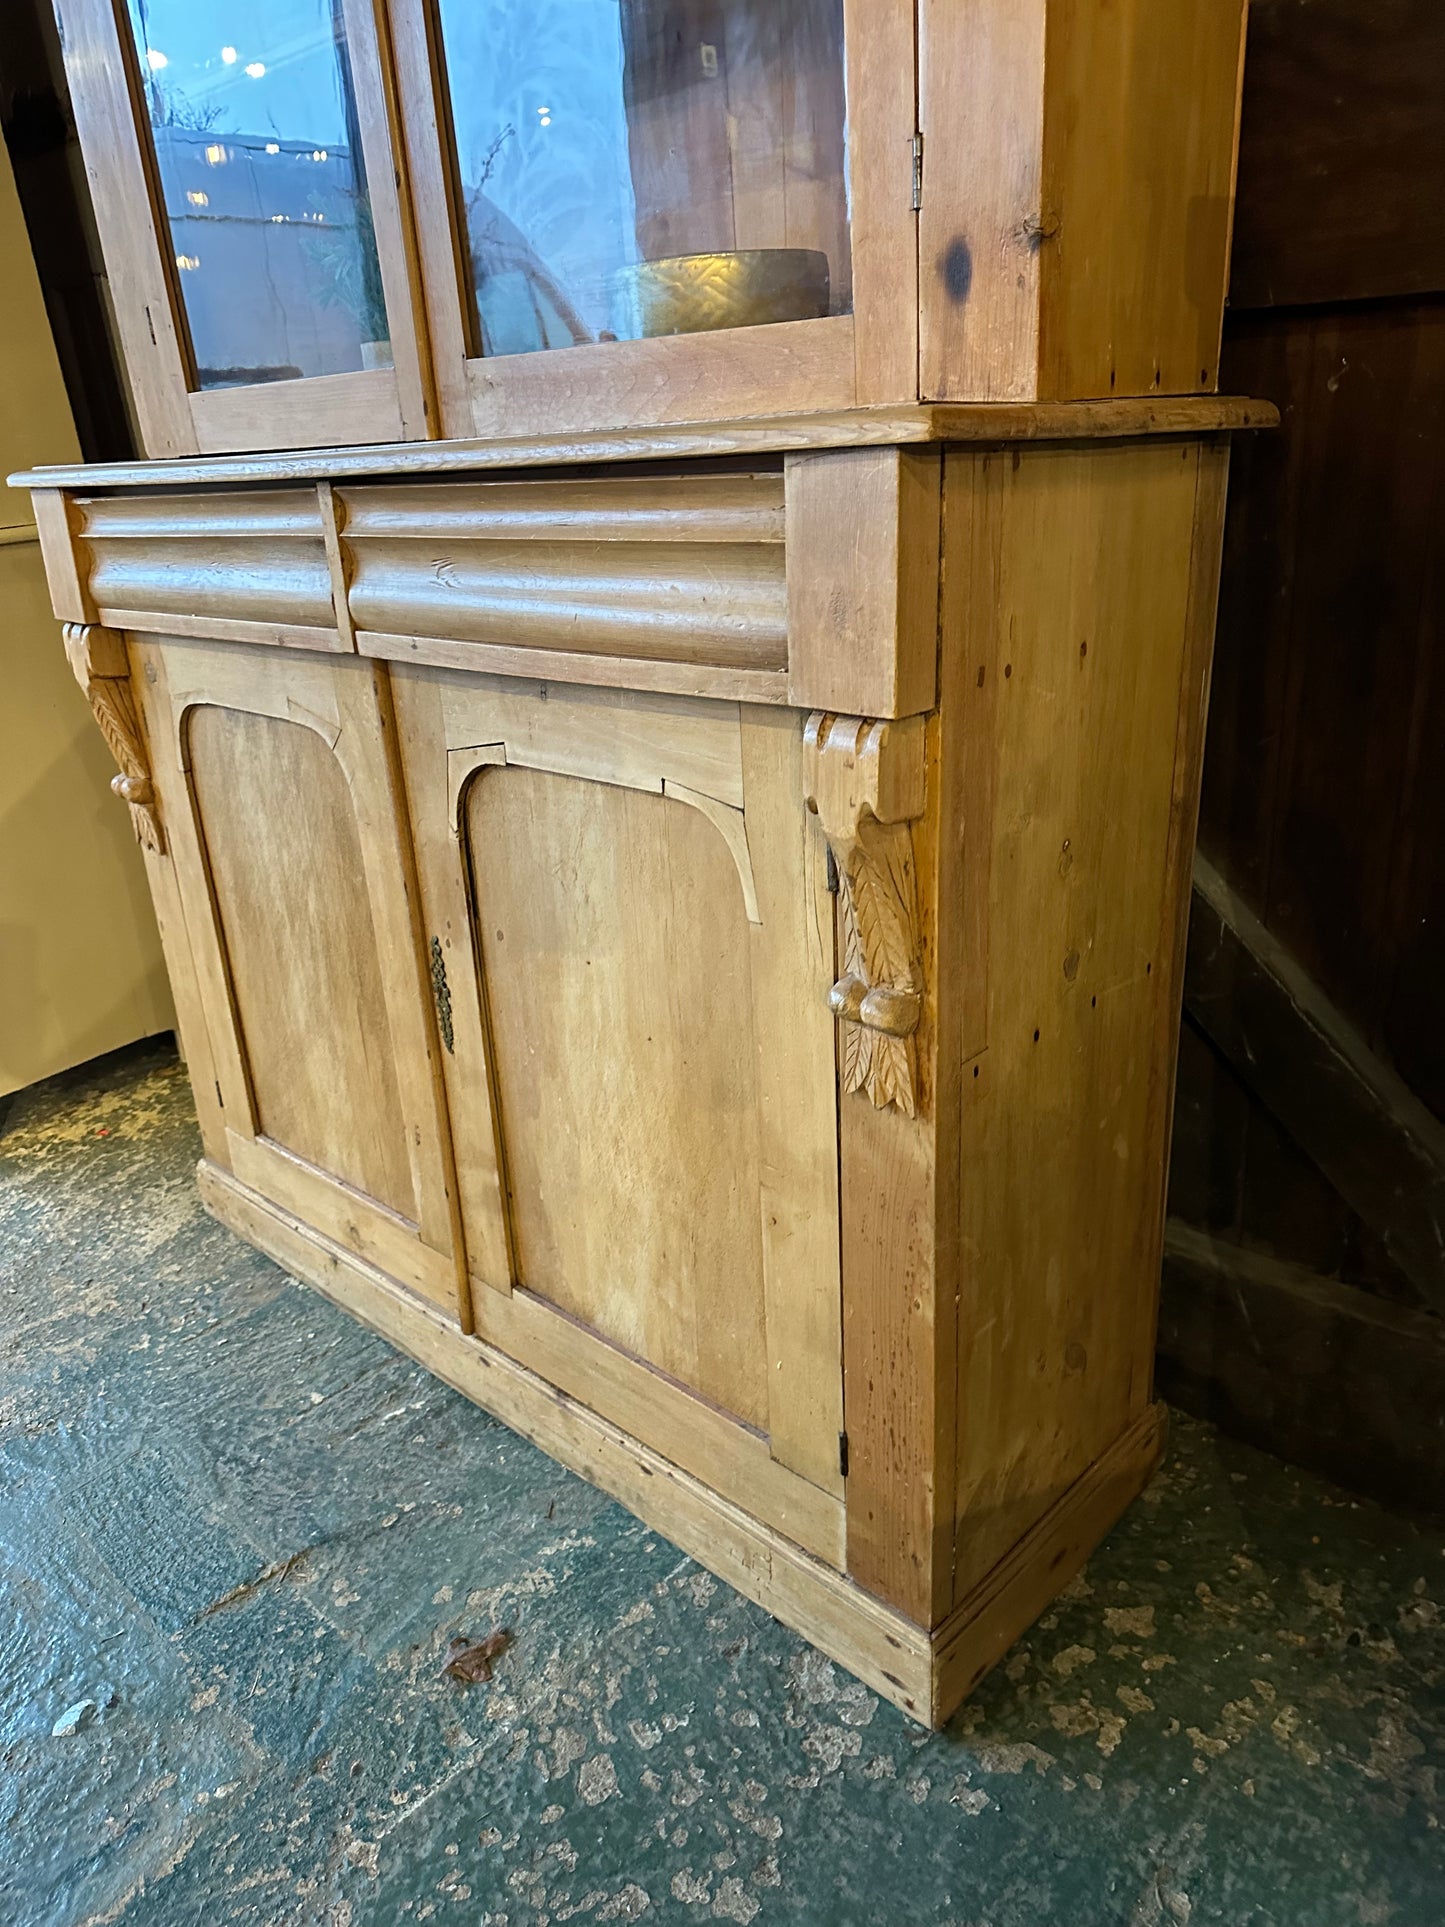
<point x="857" y="1056"/>
<point x="854" y="964"/>
<point x="892" y="1078"/>
<point x="855" y="769"/>
<point x="885" y="918"/>
<point x="112" y="703"/>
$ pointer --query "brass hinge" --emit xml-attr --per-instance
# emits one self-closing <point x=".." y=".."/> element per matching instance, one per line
<point x="917" y="172"/>
<point x="843" y="1453"/>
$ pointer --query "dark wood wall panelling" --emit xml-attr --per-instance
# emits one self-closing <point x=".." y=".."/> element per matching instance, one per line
<point x="1324" y="789"/>
<point x="1341" y="164"/>
<point x="1324" y="778"/>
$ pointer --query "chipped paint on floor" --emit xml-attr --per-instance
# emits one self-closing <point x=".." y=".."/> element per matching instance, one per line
<point x="244" y="1530"/>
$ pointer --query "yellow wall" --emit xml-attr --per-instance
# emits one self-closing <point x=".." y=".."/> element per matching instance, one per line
<point x="80" y="962"/>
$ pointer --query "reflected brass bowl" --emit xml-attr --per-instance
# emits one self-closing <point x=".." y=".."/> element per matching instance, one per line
<point x="688" y="294"/>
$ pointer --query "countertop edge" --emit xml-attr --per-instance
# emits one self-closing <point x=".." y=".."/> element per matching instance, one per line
<point x="925" y="424"/>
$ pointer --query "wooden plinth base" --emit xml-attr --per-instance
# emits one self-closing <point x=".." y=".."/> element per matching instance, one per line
<point x="926" y="1674"/>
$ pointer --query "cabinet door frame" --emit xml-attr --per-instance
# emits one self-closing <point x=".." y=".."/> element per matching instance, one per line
<point x="841" y="361"/>
<point x="713" y="757"/>
<point x="177" y="417"/>
<point x="344" y="701"/>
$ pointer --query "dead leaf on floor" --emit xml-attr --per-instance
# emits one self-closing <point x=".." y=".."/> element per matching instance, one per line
<point x="469" y="1662"/>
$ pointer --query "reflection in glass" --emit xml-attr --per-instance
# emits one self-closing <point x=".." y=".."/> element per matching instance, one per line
<point x="257" y="145"/>
<point x="642" y="167"/>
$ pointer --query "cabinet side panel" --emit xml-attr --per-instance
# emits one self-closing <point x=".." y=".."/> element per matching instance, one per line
<point x="1078" y="188"/>
<point x="1140" y="132"/>
<point x="1068" y="597"/>
<point x="283" y="850"/>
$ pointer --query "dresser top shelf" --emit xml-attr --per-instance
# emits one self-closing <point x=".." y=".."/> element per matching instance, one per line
<point x="973" y="422"/>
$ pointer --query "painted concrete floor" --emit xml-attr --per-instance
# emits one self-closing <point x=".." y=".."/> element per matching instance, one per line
<point x="245" y="1530"/>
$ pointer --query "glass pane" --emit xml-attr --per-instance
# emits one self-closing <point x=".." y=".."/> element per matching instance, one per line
<point x="256" y="138"/>
<point x="648" y="167"/>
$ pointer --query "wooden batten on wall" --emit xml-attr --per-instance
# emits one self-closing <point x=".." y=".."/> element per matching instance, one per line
<point x="1309" y="1368"/>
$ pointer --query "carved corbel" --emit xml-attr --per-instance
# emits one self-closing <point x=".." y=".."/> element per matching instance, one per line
<point x="98" y="658"/>
<point x="865" y="781"/>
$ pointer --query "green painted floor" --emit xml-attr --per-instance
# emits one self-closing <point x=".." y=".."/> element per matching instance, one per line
<point x="245" y="1530"/>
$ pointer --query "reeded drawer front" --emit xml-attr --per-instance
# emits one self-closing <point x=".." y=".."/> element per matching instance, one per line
<point x="683" y="568"/>
<point x="228" y="560"/>
<point x="808" y="580"/>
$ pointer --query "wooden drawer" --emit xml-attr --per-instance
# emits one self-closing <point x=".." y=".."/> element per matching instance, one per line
<point x="603" y="579"/>
<point x="807" y="579"/>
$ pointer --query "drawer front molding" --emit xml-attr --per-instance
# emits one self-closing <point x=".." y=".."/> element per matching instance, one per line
<point x="683" y="569"/>
<point x="808" y="582"/>
<point x="247" y="567"/>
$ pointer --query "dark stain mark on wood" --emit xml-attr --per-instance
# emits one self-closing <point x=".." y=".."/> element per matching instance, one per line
<point x="956" y="269"/>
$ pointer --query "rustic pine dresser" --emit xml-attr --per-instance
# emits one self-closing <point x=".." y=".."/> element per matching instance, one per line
<point x="658" y="657"/>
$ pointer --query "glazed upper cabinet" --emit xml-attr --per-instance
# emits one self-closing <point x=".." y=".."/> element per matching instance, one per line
<point x="653" y="210"/>
<point x="253" y="219"/>
<point x="338" y="221"/>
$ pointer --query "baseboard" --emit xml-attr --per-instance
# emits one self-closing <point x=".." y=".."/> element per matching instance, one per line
<point x="1005" y="1603"/>
<point x="885" y="1650"/>
<point x="927" y="1676"/>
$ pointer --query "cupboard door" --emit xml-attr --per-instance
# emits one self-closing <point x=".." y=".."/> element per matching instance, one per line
<point x="707" y="204"/>
<point x="278" y="786"/>
<point x="631" y="934"/>
<point x="249" y="205"/>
